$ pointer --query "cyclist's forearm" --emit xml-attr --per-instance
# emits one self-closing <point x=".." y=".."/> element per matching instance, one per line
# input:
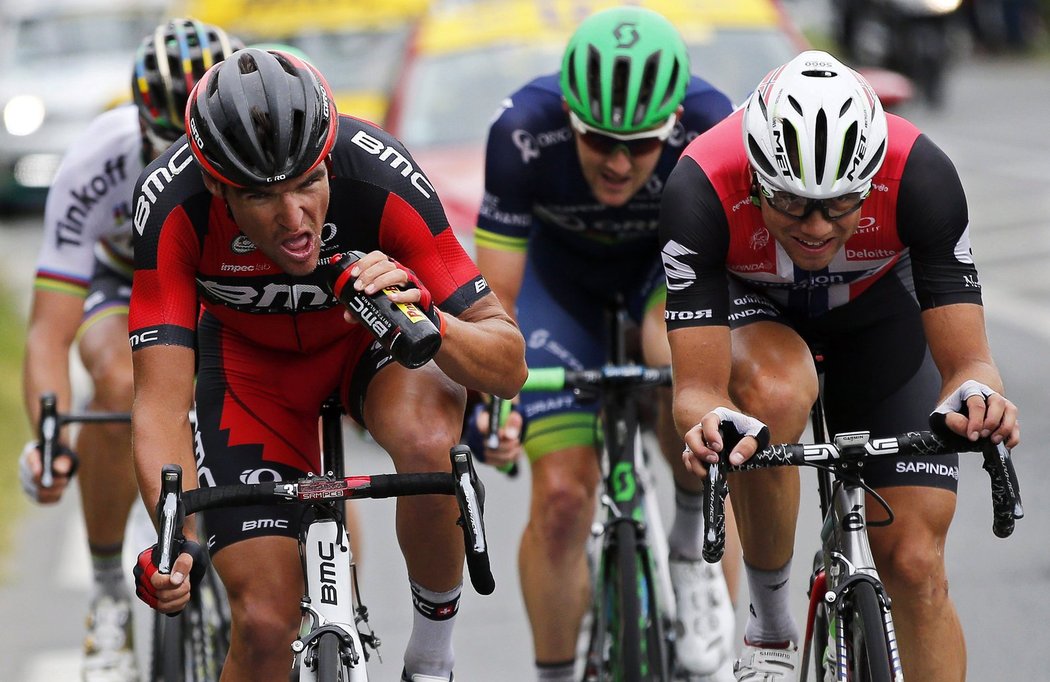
<point x="161" y="437"/>
<point x="46" y="369"/>
<point x="160" y="420"/>
<point x="53" y="322"/>
<point x="484" y="353"/>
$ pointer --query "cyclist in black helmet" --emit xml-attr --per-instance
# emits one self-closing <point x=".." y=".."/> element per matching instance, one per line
<point x="231" y="226"/>
<point x="81" y="294"/>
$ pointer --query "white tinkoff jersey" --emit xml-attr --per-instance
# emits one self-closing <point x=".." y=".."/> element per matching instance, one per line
<point x="88" y="210"/>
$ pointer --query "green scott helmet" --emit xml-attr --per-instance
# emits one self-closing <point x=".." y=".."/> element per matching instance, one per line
<point x="624" y="70"/>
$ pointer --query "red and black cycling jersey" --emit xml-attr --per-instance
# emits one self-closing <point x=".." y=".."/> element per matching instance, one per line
<point x="189" y="251"/>
<point x="711" y="227"/>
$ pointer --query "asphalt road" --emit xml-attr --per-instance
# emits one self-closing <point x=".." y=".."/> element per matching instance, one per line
<point x="994" y="130"/>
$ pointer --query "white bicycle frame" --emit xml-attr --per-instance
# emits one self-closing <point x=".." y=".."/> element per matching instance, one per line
<point x="329" y="598"/>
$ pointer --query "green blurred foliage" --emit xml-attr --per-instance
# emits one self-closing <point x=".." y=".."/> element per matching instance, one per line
<point x="14" y="431"/>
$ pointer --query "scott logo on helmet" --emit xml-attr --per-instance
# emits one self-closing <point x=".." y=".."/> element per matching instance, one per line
<point x="626" y="35"/>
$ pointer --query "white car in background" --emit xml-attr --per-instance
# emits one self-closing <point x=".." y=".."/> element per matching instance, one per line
<point x="62" y="62"/>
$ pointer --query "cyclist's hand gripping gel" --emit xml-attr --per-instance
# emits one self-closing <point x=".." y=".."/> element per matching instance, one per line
<point x="403" y="329"/>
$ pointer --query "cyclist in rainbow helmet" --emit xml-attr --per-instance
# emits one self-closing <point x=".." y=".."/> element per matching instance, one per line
<point x="811" y="219"/>
<point x="574" y="171"/>
<point x="81" y="294"/>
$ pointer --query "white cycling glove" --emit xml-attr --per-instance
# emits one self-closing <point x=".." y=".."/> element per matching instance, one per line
<point x="25" y="473"/>
<point x="956" y="401"/>
<point x="743" y="425"/>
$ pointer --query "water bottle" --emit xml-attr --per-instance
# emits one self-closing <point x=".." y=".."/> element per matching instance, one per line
<point x="403" y="329"/>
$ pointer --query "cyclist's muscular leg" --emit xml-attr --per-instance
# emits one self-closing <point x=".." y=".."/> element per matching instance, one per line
<point x="773" y="379"/>
<point x="552" y="557"/>
<point x="416" y="416"/>
<point x="107" y="480"/>
<point x="910" y="556"/>
<point x="263" y="580"/>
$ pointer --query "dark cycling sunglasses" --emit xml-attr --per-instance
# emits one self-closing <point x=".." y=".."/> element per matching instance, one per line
<point x="794" y="206"/>
<point x="634" y="143"/>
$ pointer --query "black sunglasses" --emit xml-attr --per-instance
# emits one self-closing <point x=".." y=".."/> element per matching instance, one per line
<point x="794" y="206"/>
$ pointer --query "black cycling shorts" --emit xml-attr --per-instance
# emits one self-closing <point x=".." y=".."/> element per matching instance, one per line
<point x="879" y="375"/>
<point x="109" y="293"/>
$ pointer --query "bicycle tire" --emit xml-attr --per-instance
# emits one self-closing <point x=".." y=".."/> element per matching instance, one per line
<point x="328" y="660"/>
<point x="868" y="652"/>
<point x="657" y="656"/>
<point x="166" y="657"/>
<point x="819" y="642"/>
<point x="626" y="655"/>
<point x="192" y="646"/>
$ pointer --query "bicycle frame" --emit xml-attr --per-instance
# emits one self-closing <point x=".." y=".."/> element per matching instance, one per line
<point x="334" y="631"/>
<point x="846" y="585"/>
<point x="846" y="560"/>
<point x="633" y="543"/>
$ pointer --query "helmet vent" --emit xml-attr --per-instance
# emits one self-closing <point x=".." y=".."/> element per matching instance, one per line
<point x="875" y="162"/>
<point x="574" y="86"/>
<point x="594" y="82"/>
<point x="795" y="105"/>
<point x="845" y="107"/>
<point x="819" y="73"/>
<point x="791" y="148"/>
<point x="620" y="81"/>
<point x="645" y="89"/>
<point x="669" y="93"/>
<point x="849" y="142"/>
<point x="820" y="144"/>
<point x="247" y="64"/>
<point x="759" y="156"/>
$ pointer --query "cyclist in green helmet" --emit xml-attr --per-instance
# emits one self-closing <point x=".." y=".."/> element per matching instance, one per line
<point x="575" y="166"/>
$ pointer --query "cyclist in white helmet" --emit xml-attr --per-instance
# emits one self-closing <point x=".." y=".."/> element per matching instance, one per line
<point x="812" y="219"/>
<point x="81" y="293"/>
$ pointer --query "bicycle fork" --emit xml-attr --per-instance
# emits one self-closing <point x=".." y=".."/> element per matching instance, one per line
<point x="845" y="560"/>
<point x="331" y="603"/>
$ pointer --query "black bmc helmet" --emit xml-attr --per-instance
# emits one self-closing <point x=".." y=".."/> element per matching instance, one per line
<point x="168" y="63"/>
<point x="261" y="117"/>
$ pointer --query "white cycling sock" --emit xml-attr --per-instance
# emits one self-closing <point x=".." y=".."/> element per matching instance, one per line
<point x="770" y="620"/>
<point x="686" y="539"/>
<point x="108" y="570"/>
<point x="429" y="649"/>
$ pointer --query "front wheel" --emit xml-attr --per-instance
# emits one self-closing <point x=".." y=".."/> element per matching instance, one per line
<point x="329" y="660"/>
<point x="627" y="636"/>
<point x="868" y="657"/>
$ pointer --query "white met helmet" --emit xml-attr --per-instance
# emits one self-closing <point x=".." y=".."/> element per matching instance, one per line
<point x="815" y="128"/>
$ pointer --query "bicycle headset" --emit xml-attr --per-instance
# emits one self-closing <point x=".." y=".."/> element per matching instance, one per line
<point x="261" y="117"/>
<point x="815" y="128"/>
<point x="625" y="70"/>
<point x="167" y="65"/>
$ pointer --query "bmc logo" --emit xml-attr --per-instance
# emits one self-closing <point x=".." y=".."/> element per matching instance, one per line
<point x="260" y="524"/>
<point x="155" y="183"/>
<point x="273" y="296"/>
<point x="395" y="160"/>
<point x="144" y="338"/>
